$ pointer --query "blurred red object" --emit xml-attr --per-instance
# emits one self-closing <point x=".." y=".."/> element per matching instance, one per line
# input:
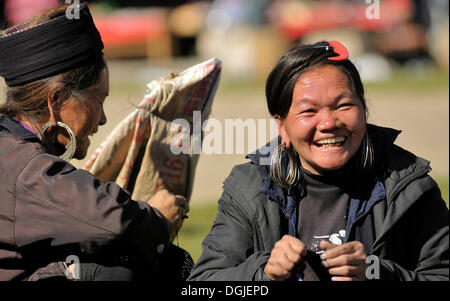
<point x="121" y="30"/>
<point x="296" y="19"/>
<point x="17" y="11"/>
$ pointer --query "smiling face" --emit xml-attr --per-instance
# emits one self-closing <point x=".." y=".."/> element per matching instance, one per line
<point x="326" y="121"/>
<point x="84" y="119"/>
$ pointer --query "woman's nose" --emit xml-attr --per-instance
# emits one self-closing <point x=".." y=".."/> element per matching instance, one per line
<point x="103" y="119"/>
<point x="327" y="123"/>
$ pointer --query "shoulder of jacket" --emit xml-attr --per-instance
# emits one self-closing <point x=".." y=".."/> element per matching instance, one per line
<point x="243" y="182"/>
<point x="405" y="168"/>
<point x="15" y="145"/>
<point x="403" y="162"/>
<point x="17" y="153"/>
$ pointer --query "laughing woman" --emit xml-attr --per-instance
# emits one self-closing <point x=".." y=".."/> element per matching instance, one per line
<point x="339" y="201"/>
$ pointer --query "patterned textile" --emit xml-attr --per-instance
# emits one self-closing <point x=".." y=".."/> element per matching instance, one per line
<point x="138" y="153"/>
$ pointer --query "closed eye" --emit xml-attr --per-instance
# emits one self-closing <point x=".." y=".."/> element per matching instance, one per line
<point x="308" y="111"/>
<point x="345" y="105"/>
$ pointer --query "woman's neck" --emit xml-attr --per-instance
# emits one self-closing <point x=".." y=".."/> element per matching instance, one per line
<point x="26" y="124"/>
<point x="349" y="178"/>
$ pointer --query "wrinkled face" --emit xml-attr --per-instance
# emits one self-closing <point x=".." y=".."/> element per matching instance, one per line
<point x="85" y="119"/>
<point x="326" y="121"/>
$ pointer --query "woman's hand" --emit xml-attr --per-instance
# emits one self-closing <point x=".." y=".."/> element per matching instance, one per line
<point x="285" y="258"/>
<point x="346" y="262"/>
<point x="173" y="207"/>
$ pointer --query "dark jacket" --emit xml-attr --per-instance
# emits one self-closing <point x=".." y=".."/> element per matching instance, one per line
<point x="50" y="210"/>
<point x="405" y="214"/>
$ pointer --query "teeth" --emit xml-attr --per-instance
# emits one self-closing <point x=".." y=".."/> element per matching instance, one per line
<point x="336" y="140"/>
<point x="330" y="145"/>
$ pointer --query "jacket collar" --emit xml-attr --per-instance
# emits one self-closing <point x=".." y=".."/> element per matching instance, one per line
<point x="12" y="126"/>
<point x="287" y="199"/>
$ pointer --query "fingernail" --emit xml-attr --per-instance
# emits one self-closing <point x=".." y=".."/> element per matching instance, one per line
<point x="323" y="256"/>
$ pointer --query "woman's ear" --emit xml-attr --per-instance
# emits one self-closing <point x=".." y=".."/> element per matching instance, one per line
<point x="51" y="100"/>
<point x="282" y="131"/>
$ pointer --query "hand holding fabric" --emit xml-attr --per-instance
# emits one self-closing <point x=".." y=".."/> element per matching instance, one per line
<point x="173" y="207"/>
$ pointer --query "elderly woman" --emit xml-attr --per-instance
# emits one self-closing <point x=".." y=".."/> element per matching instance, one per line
<point x="51" y="212"/>
<point x="339" y="201"/>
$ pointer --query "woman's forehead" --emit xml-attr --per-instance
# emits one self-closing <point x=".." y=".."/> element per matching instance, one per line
<point x="326" y="74"/>
<point x="102" y="87"/>
<point x="320" y="80"/>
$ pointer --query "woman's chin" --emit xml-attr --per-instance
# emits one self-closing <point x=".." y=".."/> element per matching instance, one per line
<point x="324" y="167"/>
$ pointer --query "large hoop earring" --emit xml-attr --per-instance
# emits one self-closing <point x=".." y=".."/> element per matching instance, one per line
<point x="367" y="155"/>
<point x="70" y="147"/>
<point x="276" y="168"/>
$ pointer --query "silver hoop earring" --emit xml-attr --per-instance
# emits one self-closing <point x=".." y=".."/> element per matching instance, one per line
<point x="367" y="155"/>
<point x="70" y="147"/>
<point x="276" y="168"/>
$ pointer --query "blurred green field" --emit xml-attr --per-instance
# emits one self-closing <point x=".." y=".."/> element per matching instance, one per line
<point x="201" y="218"/>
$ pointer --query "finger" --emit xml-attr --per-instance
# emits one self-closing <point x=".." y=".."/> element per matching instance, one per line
<point x="276" y="273"/>
<point x="295" y="244"/>
<point x="343" y="260"/>
<point x="163" y="192"/>
<point x="293" y="256"/>
<point x="326" y="245"/>
<point x="344" y="271"/>
<point x="338" y="250"/>
<point x="277" y="263"/>
<point x="182" y="202"/>
<point x="344" y="279"/>
<point x="285" y="263"/>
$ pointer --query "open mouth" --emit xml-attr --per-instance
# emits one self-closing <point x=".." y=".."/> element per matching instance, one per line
<point x="330" y="142"/>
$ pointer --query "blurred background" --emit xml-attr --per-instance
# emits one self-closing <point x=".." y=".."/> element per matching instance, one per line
<point x="401" y="48"/>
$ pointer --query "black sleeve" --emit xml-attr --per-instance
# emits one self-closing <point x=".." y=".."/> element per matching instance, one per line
<point x="62" y="204"/>
<point x="426" y="233"/>
<point x="227" y="251"/>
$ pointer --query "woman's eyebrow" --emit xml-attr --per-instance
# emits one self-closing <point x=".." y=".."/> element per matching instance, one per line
<point x="310" y="101"/>
<point x="344" y="94"/>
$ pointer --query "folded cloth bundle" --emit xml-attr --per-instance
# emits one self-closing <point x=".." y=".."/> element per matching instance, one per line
<point x="139" y="153"/>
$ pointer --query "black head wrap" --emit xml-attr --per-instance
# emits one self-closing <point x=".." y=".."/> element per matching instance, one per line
<point x="48" y="49"/>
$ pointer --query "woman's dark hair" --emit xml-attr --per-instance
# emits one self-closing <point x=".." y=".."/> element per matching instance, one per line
<point x="30" y="100"/>
<point x="282" y="79"/>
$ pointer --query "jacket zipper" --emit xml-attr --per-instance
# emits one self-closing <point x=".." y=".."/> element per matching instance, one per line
<point x="408" y="179"/>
